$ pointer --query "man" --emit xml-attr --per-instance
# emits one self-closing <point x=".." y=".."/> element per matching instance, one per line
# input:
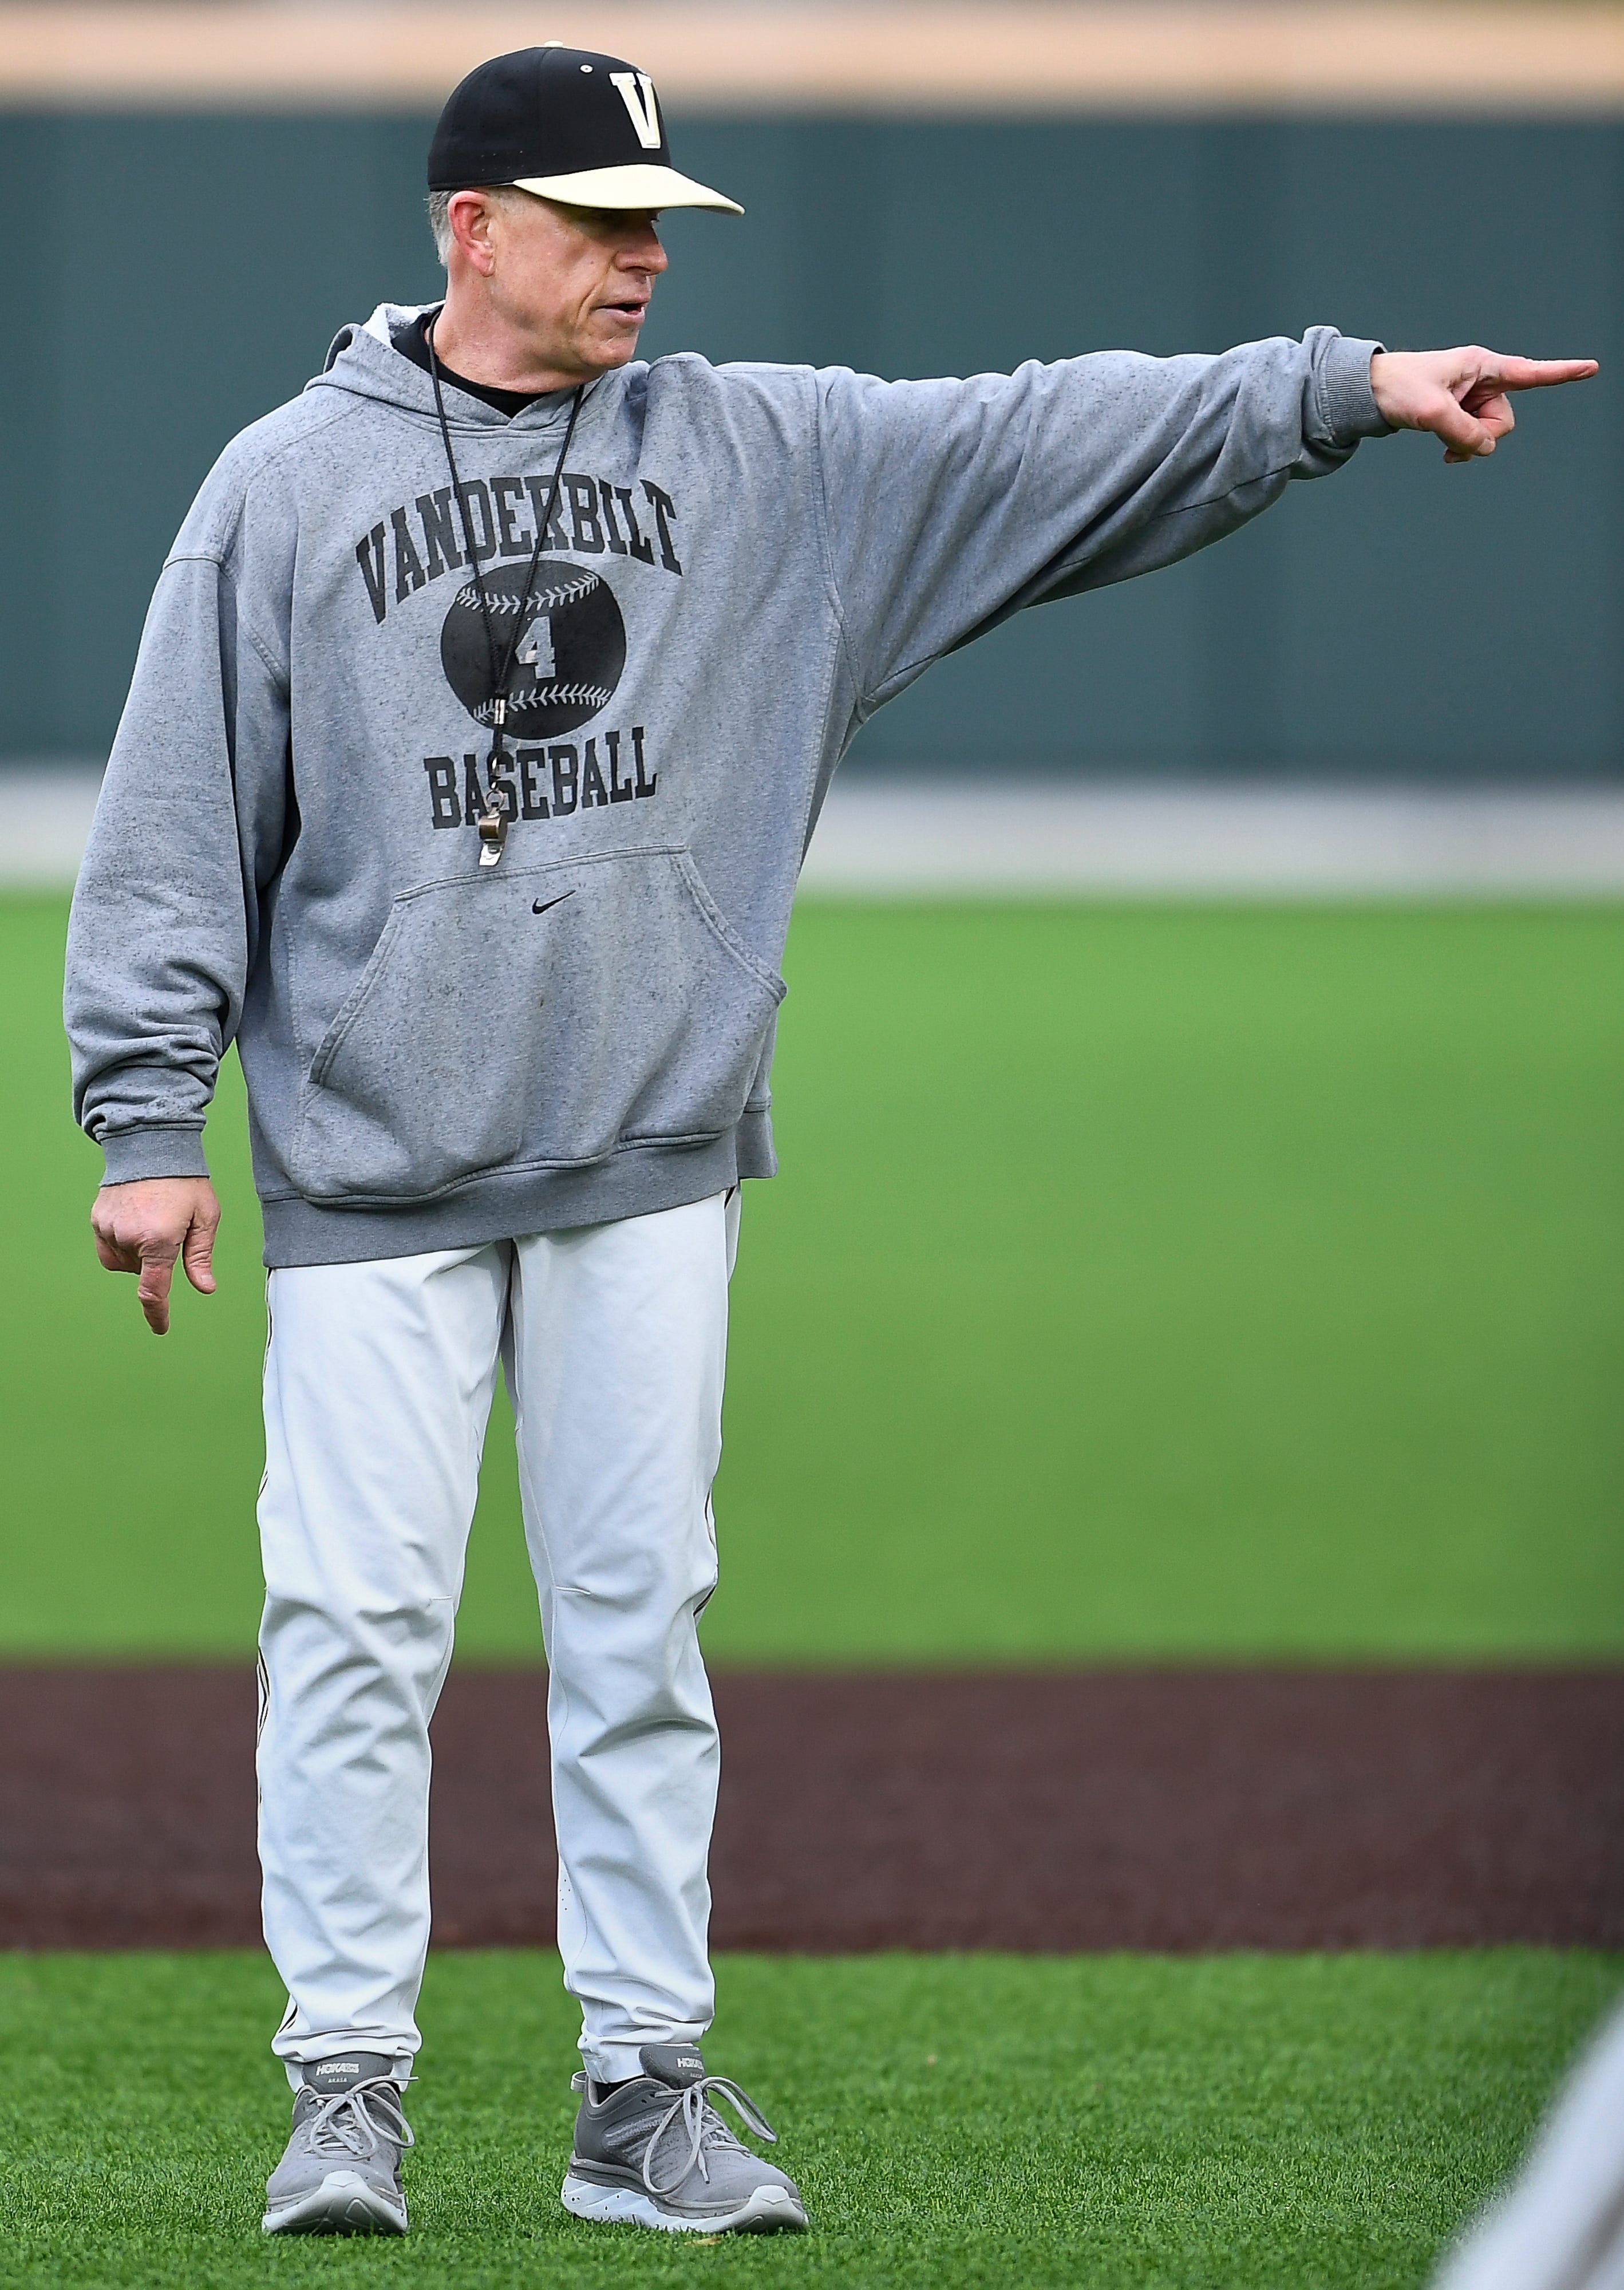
<point x="486" y="704"/>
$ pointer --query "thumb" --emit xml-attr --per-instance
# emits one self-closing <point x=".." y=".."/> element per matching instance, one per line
<point x="197" y="1255"/>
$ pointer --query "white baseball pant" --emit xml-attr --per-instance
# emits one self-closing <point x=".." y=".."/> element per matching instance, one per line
<point x="379" y="1378"/>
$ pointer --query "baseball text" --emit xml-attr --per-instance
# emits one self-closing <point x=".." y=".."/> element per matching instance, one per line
<point x="547" y="783"/>
<point x="592" y="517"/>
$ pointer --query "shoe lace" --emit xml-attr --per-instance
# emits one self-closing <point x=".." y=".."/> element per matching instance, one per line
<point x="357" y="2121"/>
<point x="700" y="2127"/>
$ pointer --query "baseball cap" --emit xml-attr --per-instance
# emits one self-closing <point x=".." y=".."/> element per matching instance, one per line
<point x="567" y="124"/>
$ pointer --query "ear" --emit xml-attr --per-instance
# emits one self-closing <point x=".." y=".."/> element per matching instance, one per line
<point x="472" y="216"/>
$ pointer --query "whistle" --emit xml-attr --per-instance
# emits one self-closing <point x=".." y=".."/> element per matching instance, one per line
<point x="493" y="823"/>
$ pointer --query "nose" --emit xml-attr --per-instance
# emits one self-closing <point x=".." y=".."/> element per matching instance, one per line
<point x="643" y="252"/>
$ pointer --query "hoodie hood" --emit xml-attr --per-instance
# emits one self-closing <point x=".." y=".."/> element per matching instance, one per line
<point x="363" y="360"/>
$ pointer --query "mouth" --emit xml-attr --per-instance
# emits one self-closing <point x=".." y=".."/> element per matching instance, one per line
<point x="631" y="312"/>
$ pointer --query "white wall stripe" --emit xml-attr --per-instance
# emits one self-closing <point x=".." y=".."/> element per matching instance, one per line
<point x="1044" y="837"/>
<point x="45" y="817"/>
<point x="1259" y="841"/>
<point x="1097" y="56"/>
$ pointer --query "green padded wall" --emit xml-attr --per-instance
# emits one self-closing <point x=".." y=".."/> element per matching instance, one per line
<point x="174" y="277"/>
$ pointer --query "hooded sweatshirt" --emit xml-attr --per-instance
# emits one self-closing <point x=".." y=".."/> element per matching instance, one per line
<point x="743" y="564"/>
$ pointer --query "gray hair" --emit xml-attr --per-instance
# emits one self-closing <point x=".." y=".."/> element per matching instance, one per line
<point x="439" y="212"/>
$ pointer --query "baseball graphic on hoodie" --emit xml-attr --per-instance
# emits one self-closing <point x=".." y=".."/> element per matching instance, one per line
<point x="569" y="656"/>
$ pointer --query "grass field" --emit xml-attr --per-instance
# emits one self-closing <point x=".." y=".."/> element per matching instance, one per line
<point x="1143" y="1282"/>
<point x="1280" y="2124"/>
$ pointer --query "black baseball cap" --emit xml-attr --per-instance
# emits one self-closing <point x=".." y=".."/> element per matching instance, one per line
<point x="567" y="124"/>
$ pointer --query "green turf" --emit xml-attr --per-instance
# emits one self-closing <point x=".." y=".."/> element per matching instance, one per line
<point x="1143" y="1282"/>
<point x="1207" y="2123"/>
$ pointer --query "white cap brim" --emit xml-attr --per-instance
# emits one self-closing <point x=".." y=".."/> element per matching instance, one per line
<point x="637" y="189"/>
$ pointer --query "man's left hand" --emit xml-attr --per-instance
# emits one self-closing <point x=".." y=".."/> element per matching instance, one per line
<point x="1462" y="395"/>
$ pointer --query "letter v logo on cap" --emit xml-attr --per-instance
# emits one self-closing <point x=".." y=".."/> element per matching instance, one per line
<point x="637" y="94"/>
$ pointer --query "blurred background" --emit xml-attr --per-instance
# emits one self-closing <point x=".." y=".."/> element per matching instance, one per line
<point x="1174" y="1479"/>
<point x="196" y="199"/>
<point x="1199" y="1093"/>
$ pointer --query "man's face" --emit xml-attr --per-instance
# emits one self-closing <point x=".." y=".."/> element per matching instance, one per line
<point x="575" y="281"/>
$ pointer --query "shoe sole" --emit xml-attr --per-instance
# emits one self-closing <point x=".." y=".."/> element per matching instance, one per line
<point x="343" y="2204"/>
<point x="770" y="2210"/>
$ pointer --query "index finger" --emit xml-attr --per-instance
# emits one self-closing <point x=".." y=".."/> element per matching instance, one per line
<point x="1541" y="374"/>
<point x="152" y="1291"/>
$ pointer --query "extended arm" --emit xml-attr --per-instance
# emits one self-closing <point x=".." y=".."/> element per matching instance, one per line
<point x="953" y="504"/>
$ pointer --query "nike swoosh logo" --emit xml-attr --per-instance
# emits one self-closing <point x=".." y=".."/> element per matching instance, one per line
<point x="540" y="906"/>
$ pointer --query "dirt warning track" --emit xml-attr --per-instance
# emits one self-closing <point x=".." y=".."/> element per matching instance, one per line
<point x="1185" y="1809"/>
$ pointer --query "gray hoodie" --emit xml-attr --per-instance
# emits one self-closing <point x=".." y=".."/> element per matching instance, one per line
<point x="744" y="564"/>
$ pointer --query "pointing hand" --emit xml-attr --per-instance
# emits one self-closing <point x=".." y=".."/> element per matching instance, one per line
<point x="1463" y="396"/>
<point x="143" y="1227"/>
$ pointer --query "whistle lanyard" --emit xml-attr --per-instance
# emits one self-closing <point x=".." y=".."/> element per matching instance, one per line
<point x="493" y="814"/>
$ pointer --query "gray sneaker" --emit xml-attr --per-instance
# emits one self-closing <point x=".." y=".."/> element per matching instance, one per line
<point x="654" y="2152"/>
<point x="341" y="2173"/>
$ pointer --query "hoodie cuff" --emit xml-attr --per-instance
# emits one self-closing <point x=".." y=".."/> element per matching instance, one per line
<point x="1346" y="399"/>
<point x="153" y="1151"/>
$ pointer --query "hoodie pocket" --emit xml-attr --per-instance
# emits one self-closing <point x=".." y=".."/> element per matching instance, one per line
<point x="535" y="1018"/>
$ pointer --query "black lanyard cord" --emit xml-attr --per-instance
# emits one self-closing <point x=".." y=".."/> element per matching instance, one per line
<point x="493" y="821"/>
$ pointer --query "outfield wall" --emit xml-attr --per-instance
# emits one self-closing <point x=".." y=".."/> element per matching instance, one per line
<point x="176" y="273"/>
